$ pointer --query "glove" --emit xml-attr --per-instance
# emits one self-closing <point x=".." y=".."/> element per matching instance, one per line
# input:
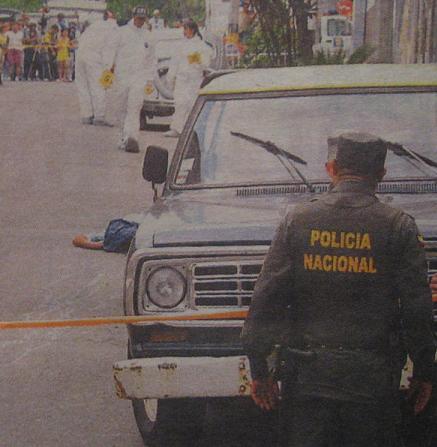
<point x="265" y="393"/>
<point x="419" y="394"/>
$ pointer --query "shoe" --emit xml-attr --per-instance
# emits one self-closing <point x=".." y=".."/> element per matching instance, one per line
<point x="84" y="241"/>
<point x="132" y="146"/>
<point x="100" y="122"/>
<point x="172" y="133"/>
<point x="87" y="120"/>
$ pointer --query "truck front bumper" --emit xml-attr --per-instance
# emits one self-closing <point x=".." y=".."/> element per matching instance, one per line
<point x="178" y="377"/>
<point x="191" y="377"/>
<point x="158" y="108"/>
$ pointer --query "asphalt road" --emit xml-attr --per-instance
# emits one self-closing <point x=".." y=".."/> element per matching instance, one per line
<point x="59" y="178"/>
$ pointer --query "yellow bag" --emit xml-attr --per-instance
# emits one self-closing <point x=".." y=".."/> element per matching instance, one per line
<point x="106" y="79"/>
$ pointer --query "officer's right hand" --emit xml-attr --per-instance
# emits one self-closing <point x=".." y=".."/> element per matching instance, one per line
<point x="265" y="393"/>
<point x="419" y="394"/>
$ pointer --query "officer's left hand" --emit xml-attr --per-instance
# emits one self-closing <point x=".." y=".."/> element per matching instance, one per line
<point x="419" y="394"/>
<point x="265" y="393"/>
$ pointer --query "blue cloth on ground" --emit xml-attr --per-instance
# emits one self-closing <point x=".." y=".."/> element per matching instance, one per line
<point x="118" y="235"/>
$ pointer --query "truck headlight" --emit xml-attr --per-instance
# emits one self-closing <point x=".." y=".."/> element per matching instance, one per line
<point x="166" y="287"/>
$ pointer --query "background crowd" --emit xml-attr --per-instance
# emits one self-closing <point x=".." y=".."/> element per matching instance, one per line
<point x="31" y="51"/>
<point x="39" y="50"/>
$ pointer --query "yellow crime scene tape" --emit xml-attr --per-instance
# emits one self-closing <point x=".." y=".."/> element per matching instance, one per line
<point x="101" y="321"/>
<point x="46" y="45"/>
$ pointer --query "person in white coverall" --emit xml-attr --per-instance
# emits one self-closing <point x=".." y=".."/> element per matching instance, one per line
<point x="133" y="58"/>
<point x="194" y="58"/>
<point x="95" y="54"/>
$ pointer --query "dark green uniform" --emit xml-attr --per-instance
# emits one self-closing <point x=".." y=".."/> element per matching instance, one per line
<point x="344" y="285"/>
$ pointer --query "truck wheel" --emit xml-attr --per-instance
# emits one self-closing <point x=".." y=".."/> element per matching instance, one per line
<point x="168" y="422"/>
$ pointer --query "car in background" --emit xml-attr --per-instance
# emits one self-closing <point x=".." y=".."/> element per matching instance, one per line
<point x="158" y="101"/>
<point x="254" y="146"/>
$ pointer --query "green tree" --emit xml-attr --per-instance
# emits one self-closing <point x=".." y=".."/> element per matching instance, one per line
<point x="283" y="26"/>
<point x="170" y="9"/>
<point x="26" y="5"/>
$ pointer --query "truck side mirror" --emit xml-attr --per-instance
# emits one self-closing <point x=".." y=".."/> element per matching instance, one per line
<point x="155" y="165"/>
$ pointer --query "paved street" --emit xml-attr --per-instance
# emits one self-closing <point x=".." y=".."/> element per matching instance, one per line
<point x="59" y="178"/>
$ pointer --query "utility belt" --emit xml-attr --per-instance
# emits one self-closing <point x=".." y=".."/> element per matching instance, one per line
<point x="336" y="347"/>
<point x="287" y="359"/>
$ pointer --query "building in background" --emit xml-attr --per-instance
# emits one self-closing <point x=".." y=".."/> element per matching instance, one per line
<point x="401" y="31"/>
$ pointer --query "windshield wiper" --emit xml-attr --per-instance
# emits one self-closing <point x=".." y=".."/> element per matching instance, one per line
<point x="402" y="151"/>
<point x="280" y="154"/>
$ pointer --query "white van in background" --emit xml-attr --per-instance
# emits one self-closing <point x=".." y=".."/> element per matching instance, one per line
<point x="335" y="35"/>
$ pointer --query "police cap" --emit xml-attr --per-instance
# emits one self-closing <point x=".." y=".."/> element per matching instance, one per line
<point x="140" y="11"/>
<point x="361" y="153"/>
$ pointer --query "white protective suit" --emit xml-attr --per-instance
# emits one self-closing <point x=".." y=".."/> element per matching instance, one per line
<point x="194" y="58"/>
<point x="134" y="58"/>
<point x="95" y="54"/>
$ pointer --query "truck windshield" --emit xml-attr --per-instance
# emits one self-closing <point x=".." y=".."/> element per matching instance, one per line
<point x="301" y="126"/>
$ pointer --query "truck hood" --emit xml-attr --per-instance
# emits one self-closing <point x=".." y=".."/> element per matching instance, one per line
<point x="217" y="219"/>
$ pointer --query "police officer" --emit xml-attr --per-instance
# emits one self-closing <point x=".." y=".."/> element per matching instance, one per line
<point x="344" y="289"/>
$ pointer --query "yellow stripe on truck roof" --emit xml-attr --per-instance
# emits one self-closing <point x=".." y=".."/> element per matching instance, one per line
<point x="323" y="77"/>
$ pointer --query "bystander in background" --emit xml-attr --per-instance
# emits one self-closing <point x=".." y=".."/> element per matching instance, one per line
<point x="15" y="51"/>
<point x="63" y="55"/>
<point x="3" y="46"/>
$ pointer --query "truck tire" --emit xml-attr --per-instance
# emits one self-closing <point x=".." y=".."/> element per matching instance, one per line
<point x="169" y="422"/>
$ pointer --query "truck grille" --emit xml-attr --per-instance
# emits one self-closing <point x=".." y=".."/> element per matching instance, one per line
<point x="231" y="284"/>
<point x="227" y="284"/>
